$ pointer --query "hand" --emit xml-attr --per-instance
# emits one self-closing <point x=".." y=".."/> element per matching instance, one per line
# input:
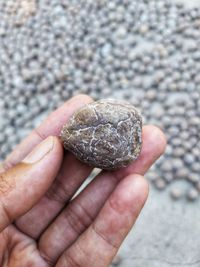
<point x="41" y="225"/>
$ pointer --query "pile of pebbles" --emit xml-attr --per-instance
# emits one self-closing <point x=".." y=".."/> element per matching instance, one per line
<point x="143" y="51"/>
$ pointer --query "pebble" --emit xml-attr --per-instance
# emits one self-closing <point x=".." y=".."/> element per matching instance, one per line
<point x="152" y="176"/>
<point x="182" y="173"/>
<point x="193" y="177"/>
<point x="179" y="152"/>
<point x="166" y="166"/>
<point x="192" y="194"/>
<point x="160" y="184"/>
<point x="189" y="158"/>
<point x="176" y="193"/>
<point x="169" y="177"/>
<point x="177" y="163"/>
<point x="196" y="166"/>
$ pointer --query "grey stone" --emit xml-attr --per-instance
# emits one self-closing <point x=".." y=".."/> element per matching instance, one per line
<point x="166" y="166"/>
<point x="177" y="163"/>
<point x="176" y="193"/>
<point x="196" y="166"/>
<point x="182" y="173"/>
<point x="189" y="159"/>
<point x="160" y="184"/>
<point x="179" y="152"/>
<point x="152" y="176"/>
<point x="192" y="194"/>
<point x="193" y="177"/>
<point x="169" y="176"/>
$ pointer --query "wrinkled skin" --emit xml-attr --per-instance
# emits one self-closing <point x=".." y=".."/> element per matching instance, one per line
<point x="40" y="226"/>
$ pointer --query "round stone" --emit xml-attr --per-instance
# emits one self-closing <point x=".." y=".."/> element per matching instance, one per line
<point x="176" y="193"/>
<point x="166" y="166"/>
<point x="106" y="134"/>
<point x="196" y="167"/>
<point x="160" y="184"/>
<point x="193" y="177"/>
<point x="182" y="173"/>
<point x="192" y="194"/>
<point x="152" y="176"/>
<point x="168" y="177"/>
<point x="189" y="159"/>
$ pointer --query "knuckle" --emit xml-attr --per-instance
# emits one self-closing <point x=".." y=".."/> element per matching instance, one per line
<point x="47" y="259"/>
<point x="78" y="218"/>
<point x="77" y="256"/>
<point x="70" y="260"/>
<point x="39" y="133"/>
<point x="58" y="192"/>
<point x="103" y="237"/>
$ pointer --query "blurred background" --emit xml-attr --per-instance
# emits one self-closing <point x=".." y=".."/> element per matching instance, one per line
<point x="143" y="51"/>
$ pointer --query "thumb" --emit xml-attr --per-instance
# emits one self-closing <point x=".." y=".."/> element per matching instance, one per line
<point x="22" y="186"/>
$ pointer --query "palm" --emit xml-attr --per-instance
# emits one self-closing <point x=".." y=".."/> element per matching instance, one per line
<point x="51" y="228"/>
<point x="18" y="248"/>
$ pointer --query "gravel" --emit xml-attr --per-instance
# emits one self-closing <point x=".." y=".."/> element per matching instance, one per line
<point x="146" y="52"/>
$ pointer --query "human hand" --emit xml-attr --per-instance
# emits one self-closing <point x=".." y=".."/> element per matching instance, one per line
<point x="42" y="226"/>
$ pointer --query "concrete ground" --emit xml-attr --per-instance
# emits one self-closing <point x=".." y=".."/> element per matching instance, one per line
<point x="166" y="234"/>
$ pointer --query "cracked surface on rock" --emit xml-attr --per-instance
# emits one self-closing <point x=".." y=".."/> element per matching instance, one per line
<point x="105" y="134"/>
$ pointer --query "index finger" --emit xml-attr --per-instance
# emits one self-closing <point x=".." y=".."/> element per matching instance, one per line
<point x="50" y="126"/>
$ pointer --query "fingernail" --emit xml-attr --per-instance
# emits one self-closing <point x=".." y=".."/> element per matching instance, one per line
<point x="40" y="151"/>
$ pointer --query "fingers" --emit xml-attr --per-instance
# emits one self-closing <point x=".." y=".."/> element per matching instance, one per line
<point x="80" y="213"/>
<point x="100" y="242"/>
<point x="23" y="185"/>
<point x="51" y="126"/>
<point x="70" y="177"/>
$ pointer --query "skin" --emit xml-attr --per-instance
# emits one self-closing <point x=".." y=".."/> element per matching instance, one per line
<point x="40" y="224"/>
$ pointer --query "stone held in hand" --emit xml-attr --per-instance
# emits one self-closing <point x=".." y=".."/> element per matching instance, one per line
<point x="106" y="134"/>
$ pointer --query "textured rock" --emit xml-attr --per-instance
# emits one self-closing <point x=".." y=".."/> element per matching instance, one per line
<point x="105" y="134"/>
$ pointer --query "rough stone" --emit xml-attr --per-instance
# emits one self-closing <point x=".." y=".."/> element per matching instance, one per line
<point x="105" y="134"/>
